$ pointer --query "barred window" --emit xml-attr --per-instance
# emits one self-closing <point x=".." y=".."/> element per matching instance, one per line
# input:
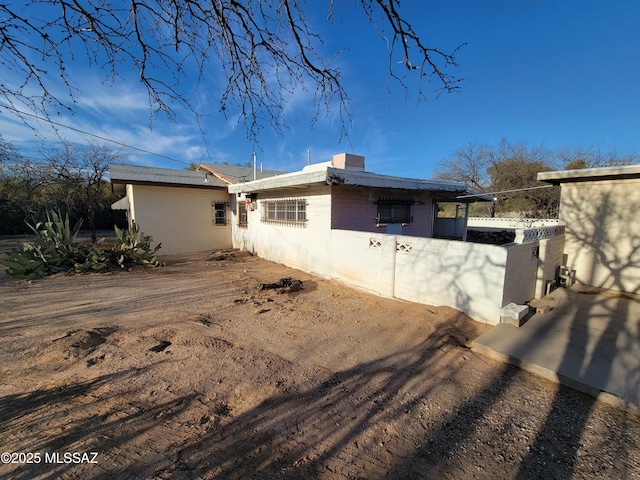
<point x="394" y="211"/>
<point x="287" y="211"/>
<point x="220" y="214"/>
<point x="242" y="214"/>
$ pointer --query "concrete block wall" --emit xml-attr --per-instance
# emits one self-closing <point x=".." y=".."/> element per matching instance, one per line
<point x="364" y="259"/>
<point x="476" y="279"/>
<point x="465" y="276"/>
<point x="520" y="272"/>
<point x="182" y="219"/>
<point x="551" y="257"/>
<point x="509" y="223"/>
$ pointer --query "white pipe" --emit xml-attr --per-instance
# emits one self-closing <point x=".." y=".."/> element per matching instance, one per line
<point x="255" y="171"/>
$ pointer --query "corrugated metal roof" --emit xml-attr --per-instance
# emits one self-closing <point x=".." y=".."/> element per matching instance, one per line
<point x="237" y="173"/>
<point x="121" y="174"/>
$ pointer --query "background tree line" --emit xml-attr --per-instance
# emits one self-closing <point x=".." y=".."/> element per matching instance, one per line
<point x="68" y="177"/>
<point x="73" y="178"/>
<point x="509" y="172"/>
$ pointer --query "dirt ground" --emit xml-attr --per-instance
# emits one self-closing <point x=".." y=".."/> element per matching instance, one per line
<point x="193" y="371"/>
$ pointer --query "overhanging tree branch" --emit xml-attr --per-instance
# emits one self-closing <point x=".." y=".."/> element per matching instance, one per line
<point x="266" y="51"/>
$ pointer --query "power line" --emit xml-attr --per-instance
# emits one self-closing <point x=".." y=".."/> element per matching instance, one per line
<point x="122" y="144"/>
<point x="506" y="191"/>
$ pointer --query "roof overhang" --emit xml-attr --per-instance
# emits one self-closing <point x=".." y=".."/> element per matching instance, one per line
<point x="162" y="177"/>
<point x="441" y="190"/>
<point x="590" y="174"/>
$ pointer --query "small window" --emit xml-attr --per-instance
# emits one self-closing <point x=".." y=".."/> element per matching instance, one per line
<point x="394" y="211"/>
<point x="289" y="211"/>
<point x="220" y="214"/>
<point x="242" y="214"/>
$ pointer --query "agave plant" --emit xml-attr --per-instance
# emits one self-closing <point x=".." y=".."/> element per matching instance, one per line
<point x="55" y="249"/>
<point x="134" y="247"/>
<point x="56" y="230"/>
<point x="52" y="250"/>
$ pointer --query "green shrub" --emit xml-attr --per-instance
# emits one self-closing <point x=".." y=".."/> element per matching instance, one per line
<point x="134" y="248"/>
<point x="55" y="249"/>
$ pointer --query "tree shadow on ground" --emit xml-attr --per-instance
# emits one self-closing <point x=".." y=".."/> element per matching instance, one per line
<point x="380" y="419"/>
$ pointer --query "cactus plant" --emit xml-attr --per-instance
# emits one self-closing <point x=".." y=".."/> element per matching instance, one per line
<point x="55" y="249"/>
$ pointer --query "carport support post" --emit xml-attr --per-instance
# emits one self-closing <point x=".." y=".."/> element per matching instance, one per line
<point x="466" y="219"/>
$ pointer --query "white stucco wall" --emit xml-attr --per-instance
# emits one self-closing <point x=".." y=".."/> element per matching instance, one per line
<point x="364" y="259"/>
<point x="466" y="276"/>
<point x="182" y="219"/>
<point x="551" y="257"/>
<point x="303" y="247"/>
<point x="476" y="279"/>
<point x="602" y="232"/>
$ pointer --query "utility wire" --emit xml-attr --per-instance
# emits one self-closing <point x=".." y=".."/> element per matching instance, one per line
<point x="122" y="144"/>
<point x="506" y="191"/>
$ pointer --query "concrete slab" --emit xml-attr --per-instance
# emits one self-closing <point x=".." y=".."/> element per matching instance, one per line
<point x="589" y="340"/>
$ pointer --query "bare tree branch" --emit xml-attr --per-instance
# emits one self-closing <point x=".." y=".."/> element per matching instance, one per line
<point x="265" y="50"/>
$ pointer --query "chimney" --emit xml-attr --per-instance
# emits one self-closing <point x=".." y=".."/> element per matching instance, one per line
<point x="348" y="161"/>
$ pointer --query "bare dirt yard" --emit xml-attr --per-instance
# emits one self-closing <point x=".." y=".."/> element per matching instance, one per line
<point x="193" y="370"/>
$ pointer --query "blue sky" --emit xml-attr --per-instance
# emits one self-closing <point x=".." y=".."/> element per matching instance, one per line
<point x="558" y="74"/>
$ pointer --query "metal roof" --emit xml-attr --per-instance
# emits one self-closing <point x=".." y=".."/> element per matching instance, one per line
<point x="445" y="190"/>
<point x="134" y="174"/>
<point x="236" y="173"/>
<point x="590" y="174"/>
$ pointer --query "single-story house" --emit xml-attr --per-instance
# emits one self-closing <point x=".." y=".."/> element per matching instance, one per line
<point x="398" y="237"/>
<point x="388" y="235"/>
<point x="599" y="208"/>
<point x="341" y="195"/>
<point x="185" y="210"/>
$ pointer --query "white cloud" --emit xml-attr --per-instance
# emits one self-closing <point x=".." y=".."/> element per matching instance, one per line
<point x="117" y="98"/>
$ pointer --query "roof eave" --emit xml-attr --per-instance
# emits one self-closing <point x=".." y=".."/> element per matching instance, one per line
<point x="590" y="174"/>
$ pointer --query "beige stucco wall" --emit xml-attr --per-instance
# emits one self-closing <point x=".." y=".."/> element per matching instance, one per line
<point x="602" y="232"/>
<point x="182" y="219"/>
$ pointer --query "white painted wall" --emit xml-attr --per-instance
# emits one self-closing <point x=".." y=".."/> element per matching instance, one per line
<point x="476" y="279"/>
<point x="303" y="247"/>
<point x="356" y="261"/>
<point x="503" y="223"/>
<point x="466" y="276"/>
<point x="551" y="257"/>
<point x="182" y="219"/>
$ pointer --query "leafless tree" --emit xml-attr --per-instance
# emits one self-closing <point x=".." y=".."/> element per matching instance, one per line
<point x="79" y="173"/>
<point x="510" y="168"/>
<point x="582" y="157"/>
<point x="266" y="50"/>
<point x="468" y="164"/>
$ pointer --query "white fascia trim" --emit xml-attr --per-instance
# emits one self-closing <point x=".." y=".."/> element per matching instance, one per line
<point x="280" y="181"/>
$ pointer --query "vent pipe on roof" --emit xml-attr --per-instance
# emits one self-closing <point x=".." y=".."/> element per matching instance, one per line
<point x="255" y="168"/>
